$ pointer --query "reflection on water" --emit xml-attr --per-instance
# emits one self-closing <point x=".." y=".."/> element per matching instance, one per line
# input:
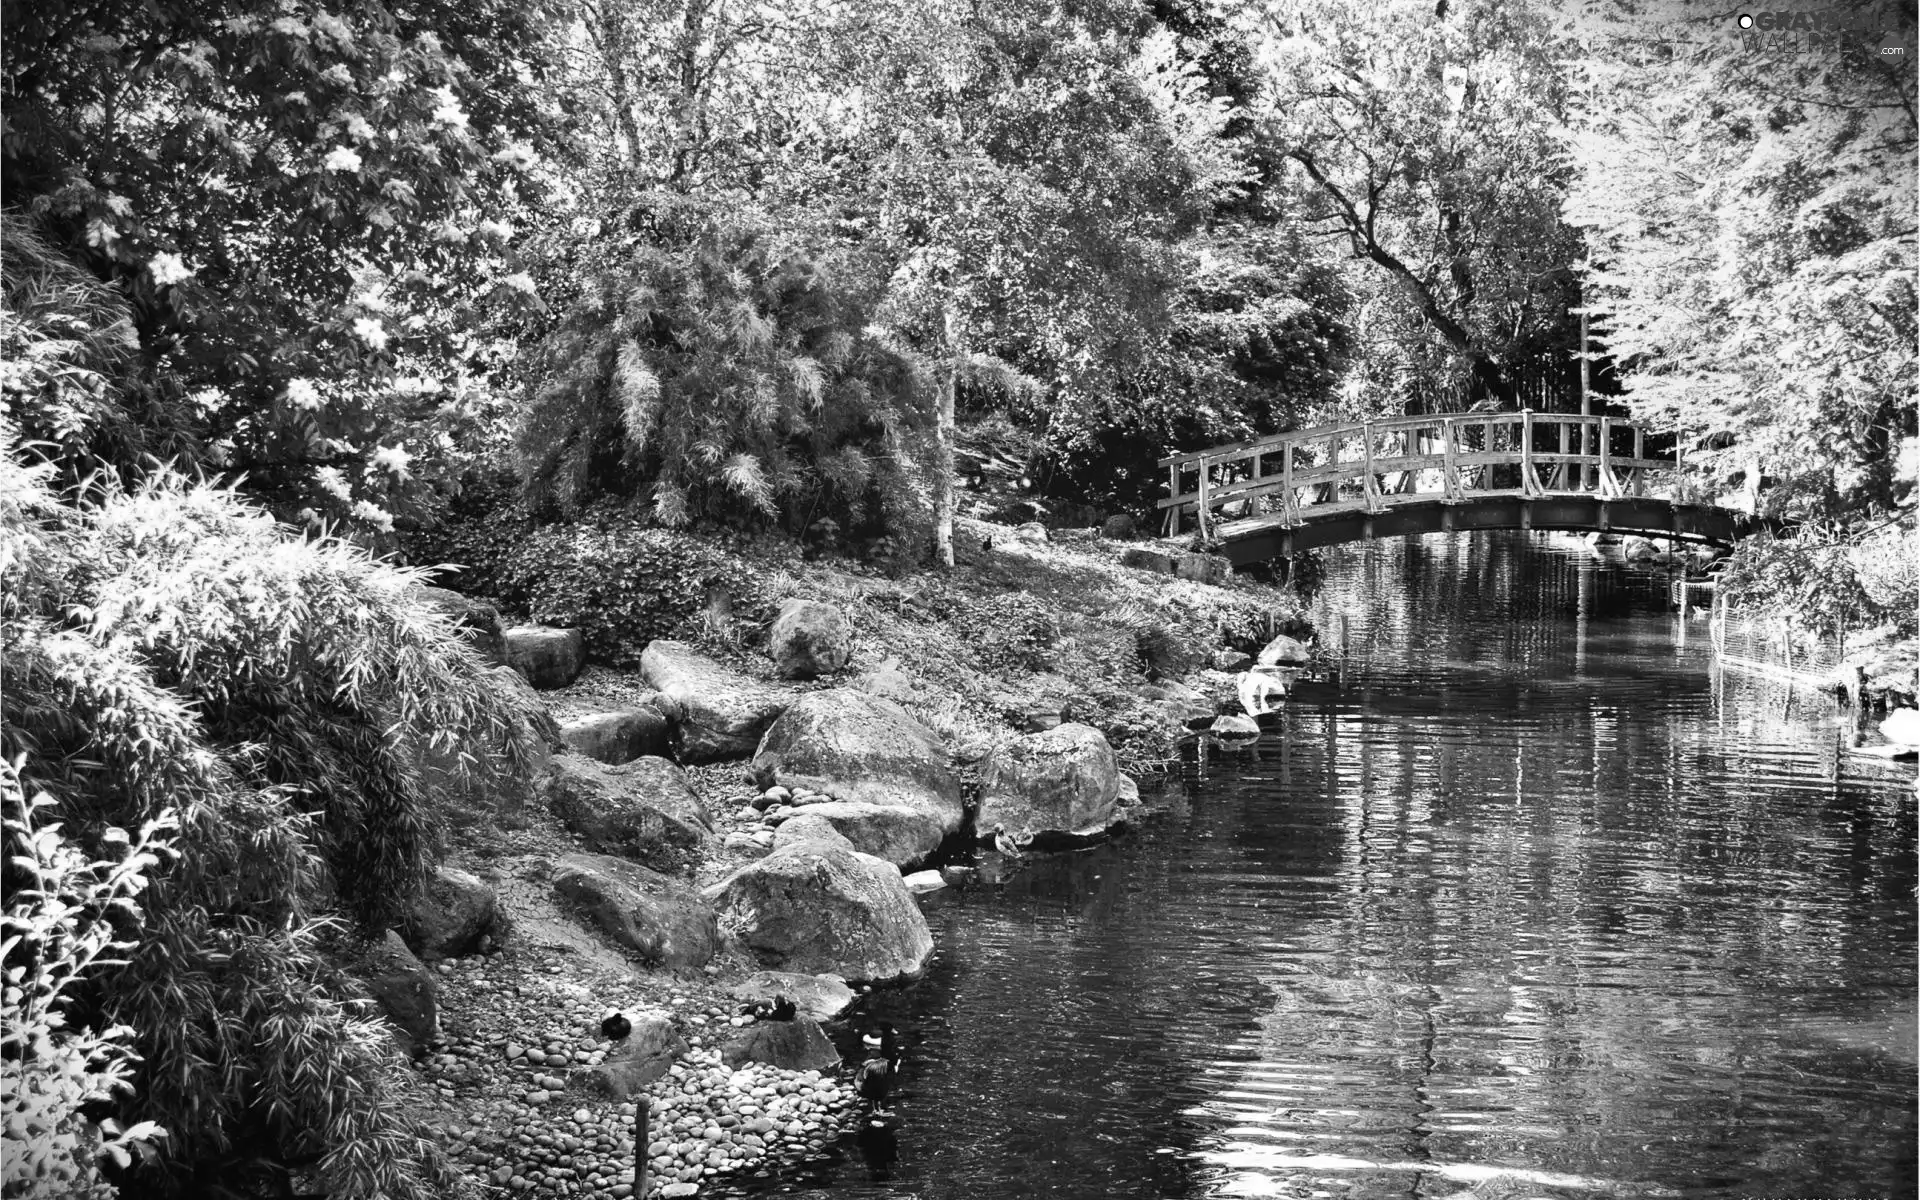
<point x="1520" y="901"/>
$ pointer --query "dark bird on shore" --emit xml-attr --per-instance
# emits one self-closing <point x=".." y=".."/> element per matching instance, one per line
<point x="615" y="1025"/>
<point x="875" y="1078"/>
<point x="879" y="1145"/>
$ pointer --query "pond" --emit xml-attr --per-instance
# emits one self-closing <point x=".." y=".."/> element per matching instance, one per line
<point x="1521" y="899"/>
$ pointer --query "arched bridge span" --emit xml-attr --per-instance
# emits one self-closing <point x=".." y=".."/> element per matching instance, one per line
<point x="1367" y="479"/>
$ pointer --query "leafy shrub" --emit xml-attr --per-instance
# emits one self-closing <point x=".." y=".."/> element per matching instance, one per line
<point x="1812" y="584"/>
<point x="619" y="580"/>
<point x="171" y="648"/>
<point x="57" y="931"/>
<point x="622" y="584"/>
<point x="1013" y="629"/>
<point x="479" y="533"/>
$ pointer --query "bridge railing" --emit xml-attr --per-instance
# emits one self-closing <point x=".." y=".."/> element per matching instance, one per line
<point x="1377" y="464"/>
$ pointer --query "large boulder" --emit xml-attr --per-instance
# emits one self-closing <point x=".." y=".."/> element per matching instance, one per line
<point x="404" y="988"/>
<point x="796" y="1045"/>
<point x="892" y="793"/>
<point x="1120" y="526"/>
<point x="646" y="1054"/>
<point x="549" y="658"/>
<point x="1235" y="725"/>
<point x="620" y="736"/>
<point x="477" y="621"/>
<point x="454" y="912"/>
<point x="809" y="638"/>
<point x="654" y="915"/>
<point x="722" y="713"/>
<point x="901" y="835"/>
<point x="643" y="809"/>
<point x="818" y="906"/>
<point x="1284" y="651"/>
<point x="1060" y="785"/>
<point x="819" y="997"/>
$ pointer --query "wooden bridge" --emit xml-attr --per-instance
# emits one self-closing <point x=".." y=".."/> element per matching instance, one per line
<point x="1511" y="470"/>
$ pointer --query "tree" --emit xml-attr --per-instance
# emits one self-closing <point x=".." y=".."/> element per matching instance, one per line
<point x="724" y="368"/>
<point x="296" y="208"/>
<point x="1423" y="138"/>
<point x="1038" y="180"/>
<point x="1748" y="206"/>
<point x="1002" y="195"/>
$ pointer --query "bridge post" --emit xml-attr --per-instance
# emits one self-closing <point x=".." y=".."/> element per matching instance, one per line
<point x="1371" y="485"/>
<point x="1202" y="513"/>
<point x="1609" y="486"/>
<point x="1639" y="454"/>
<point x="1450" y="458"/>
<point x="1529" y="482"/>
<point x="1173" y="492"/>
<point x="1286" y="485"/>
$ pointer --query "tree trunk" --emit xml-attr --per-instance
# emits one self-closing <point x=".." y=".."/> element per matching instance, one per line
<point x="614" y="54"/>
<point x="943" y="449"/>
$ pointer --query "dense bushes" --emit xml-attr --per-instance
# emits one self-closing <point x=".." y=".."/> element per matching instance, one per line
<point x="622" y="585"/>
<point x="1829" y="587"/>
<point x="719" y="368"/>
<point x="620" y="581"/>
<point x="172" y="649"/>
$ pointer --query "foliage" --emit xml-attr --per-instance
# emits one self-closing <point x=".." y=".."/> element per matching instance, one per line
<point x="1828" y="587"/>
<point x="67" y="340"/>
<point x="1422" y="136"/>
<point x="1016" y="630"/>
<point x="1259" y="343"/>
<point x="1041" y="180"/>
<point x="1748" y="207"/>
<point x="619" y="580"/>
<point x="725" y="369"/>
<point x="623" y="584"/>
<point x="301" y="296"/>
<point x="170" y="648"/>
<point x="999" y="198"/>
<point x="58" y="929"/>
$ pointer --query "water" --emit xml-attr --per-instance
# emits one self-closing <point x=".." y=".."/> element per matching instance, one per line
<point x="1527" y="904"/>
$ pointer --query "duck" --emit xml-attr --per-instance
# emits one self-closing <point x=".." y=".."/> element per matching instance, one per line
<point x="615" y="1025"/>
<point x="874" y="1080"/>
<point x="780" y="1008"/>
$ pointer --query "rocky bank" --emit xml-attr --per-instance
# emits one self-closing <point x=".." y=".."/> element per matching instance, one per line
<point x="721" y="828"/>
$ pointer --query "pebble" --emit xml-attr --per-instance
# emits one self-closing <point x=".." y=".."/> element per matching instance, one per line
<point x="514" y="1031"/>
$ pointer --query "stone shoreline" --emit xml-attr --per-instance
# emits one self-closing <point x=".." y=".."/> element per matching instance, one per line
<point x="711" y="825"/>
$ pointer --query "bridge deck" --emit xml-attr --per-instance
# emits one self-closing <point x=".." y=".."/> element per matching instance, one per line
<point x="1520" y="470"/>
